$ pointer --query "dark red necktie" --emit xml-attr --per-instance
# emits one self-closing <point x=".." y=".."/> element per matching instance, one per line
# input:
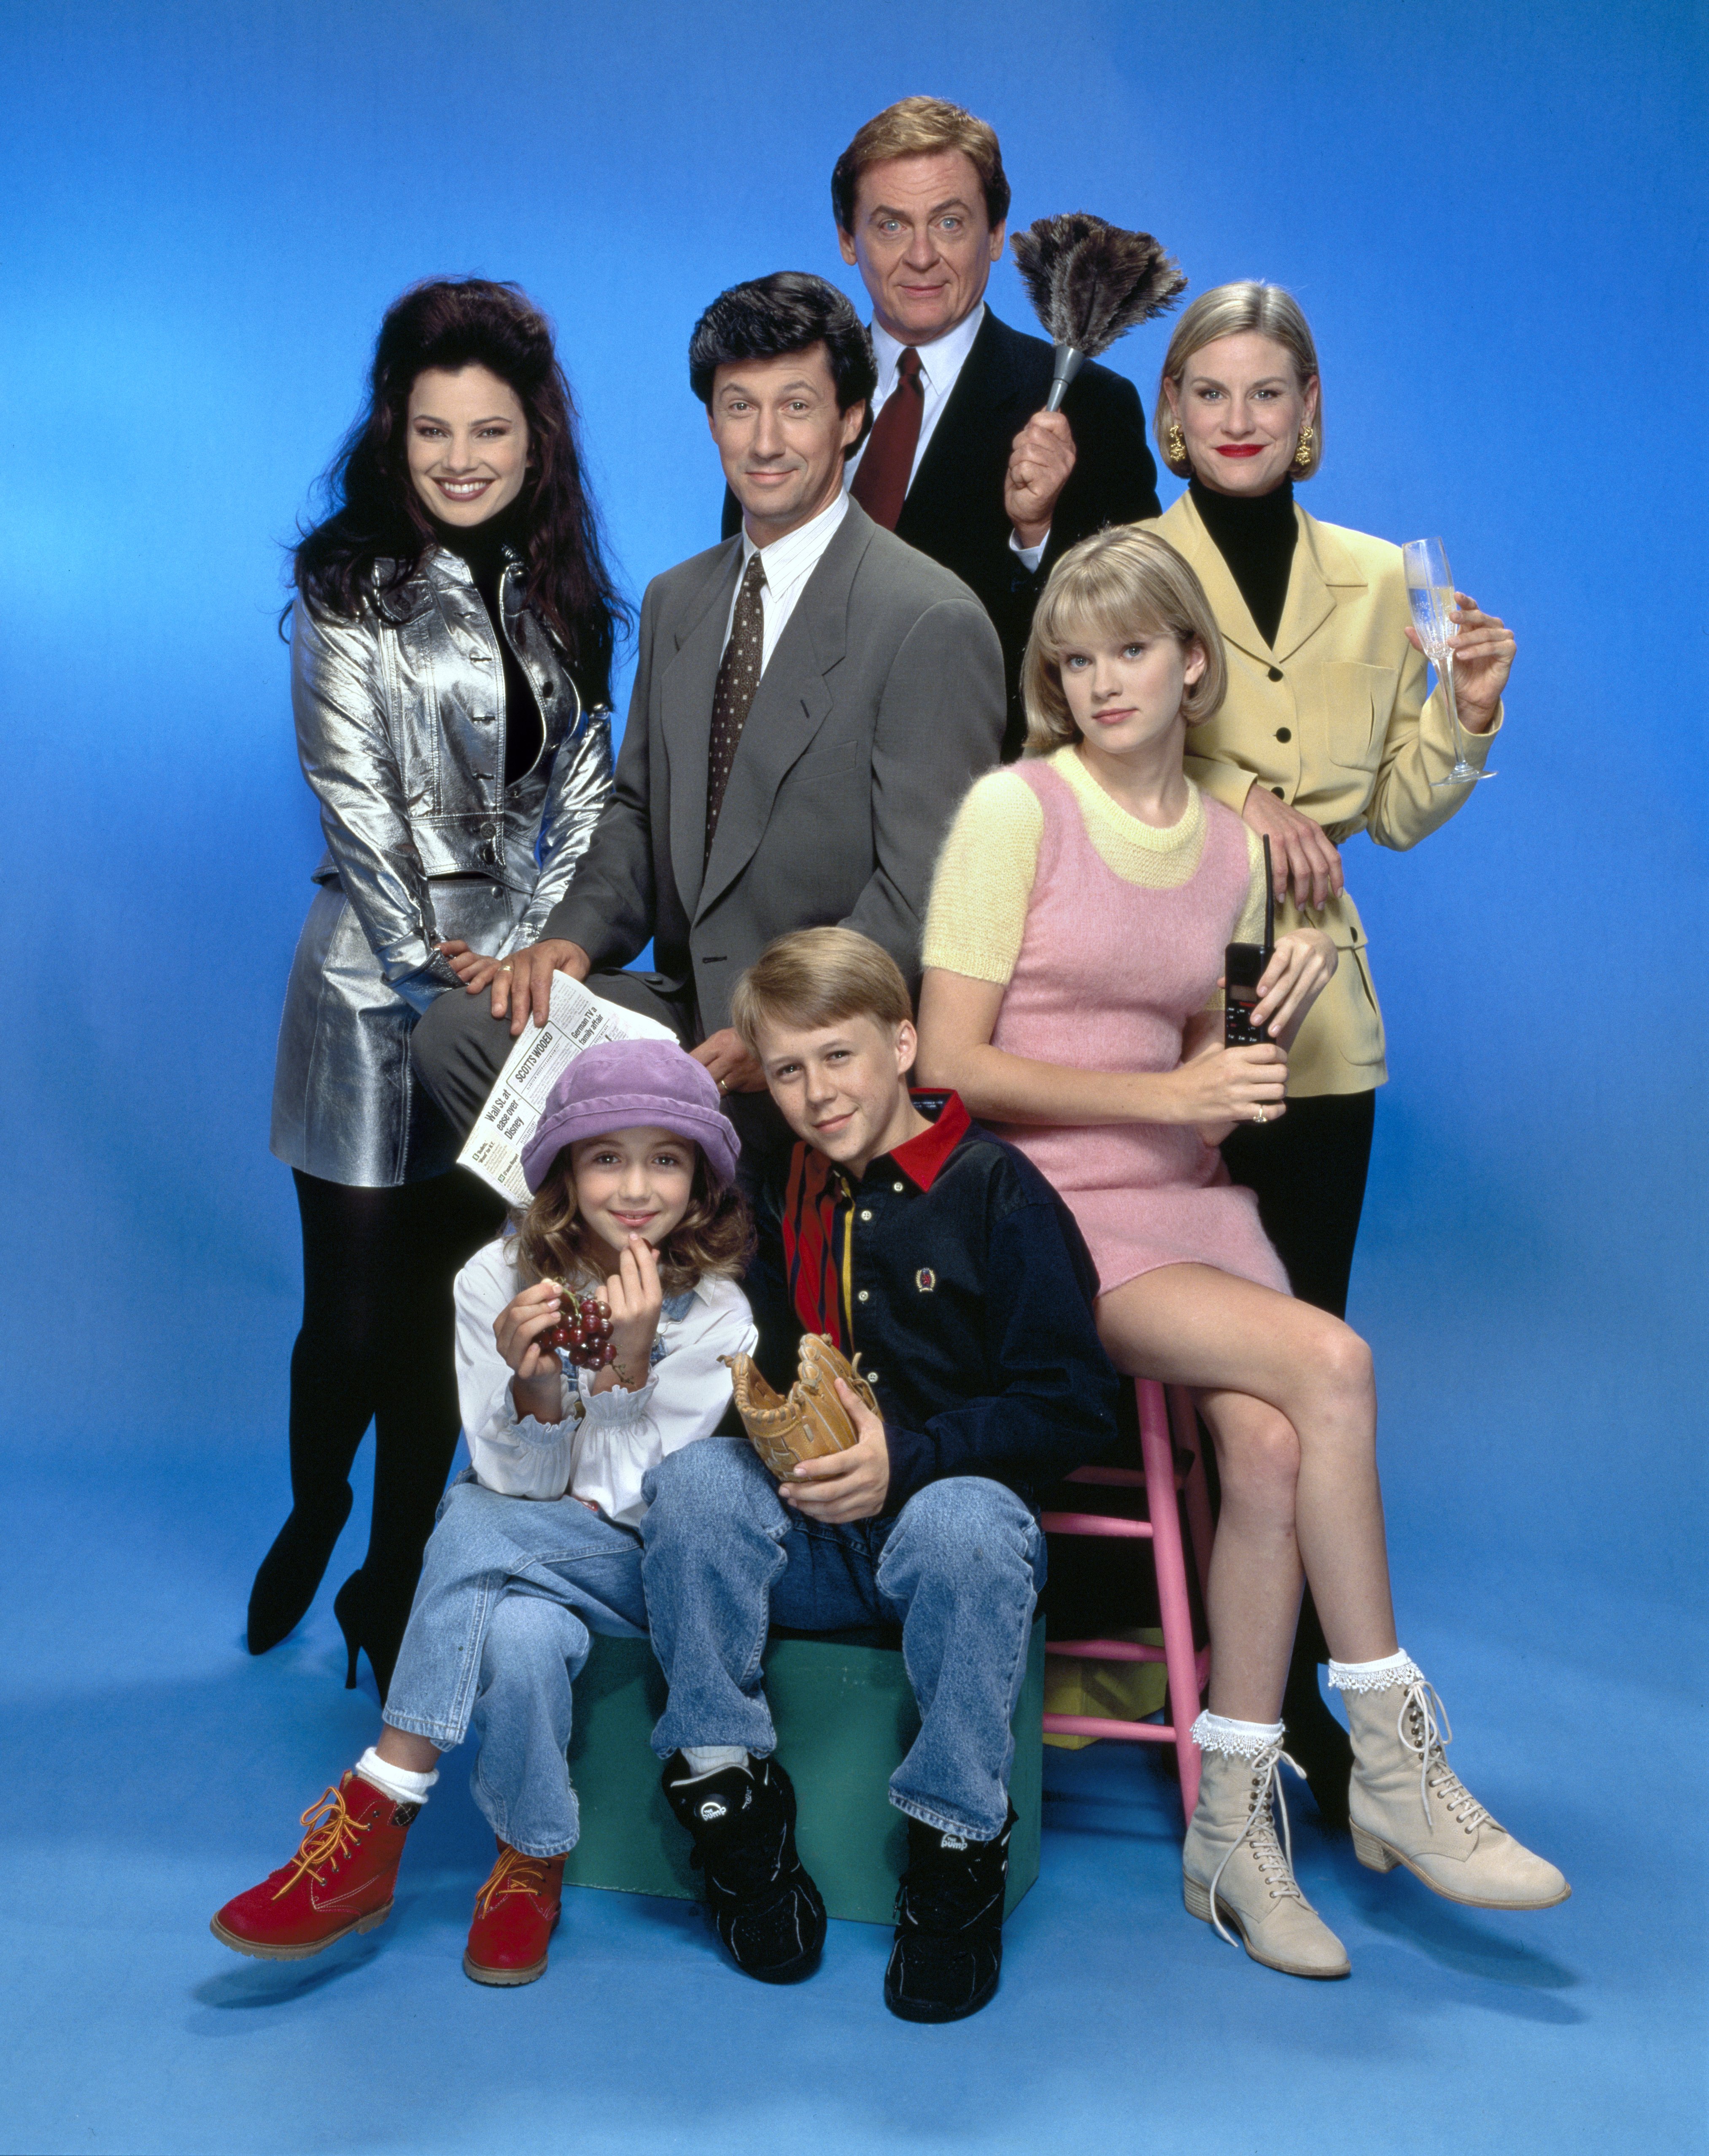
<point x="880" y="484"/>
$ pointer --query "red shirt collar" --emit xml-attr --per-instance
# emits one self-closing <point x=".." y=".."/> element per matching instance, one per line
<point x="921" y="1158"/>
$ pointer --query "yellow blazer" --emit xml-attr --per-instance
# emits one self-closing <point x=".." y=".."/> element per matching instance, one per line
<point x="1335" y="720"/>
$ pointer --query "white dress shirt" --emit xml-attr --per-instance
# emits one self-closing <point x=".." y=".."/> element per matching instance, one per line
<point x="604" y="1443"/>
<point x="941" y="365"/>
<point x="789" y="563"/>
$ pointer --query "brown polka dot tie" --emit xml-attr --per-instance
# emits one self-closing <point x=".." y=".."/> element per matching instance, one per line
<point x="738" y="677"/>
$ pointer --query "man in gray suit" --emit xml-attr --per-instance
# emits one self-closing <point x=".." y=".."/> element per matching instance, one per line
<point x="812" y="699"/>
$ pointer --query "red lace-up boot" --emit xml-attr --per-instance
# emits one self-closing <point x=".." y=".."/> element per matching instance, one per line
<point x="514" y="1914"/>
<point x="340" y="1880"/>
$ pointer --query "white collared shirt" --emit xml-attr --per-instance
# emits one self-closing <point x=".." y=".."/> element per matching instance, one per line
<point x="789" y="563"/>
<point x="941" y="365"/>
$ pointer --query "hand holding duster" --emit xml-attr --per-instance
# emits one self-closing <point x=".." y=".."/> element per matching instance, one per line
<point x="1091" y="283"/>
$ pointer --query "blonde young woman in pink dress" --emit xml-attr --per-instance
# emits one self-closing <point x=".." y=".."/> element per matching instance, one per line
<point x="1074" y="955"/>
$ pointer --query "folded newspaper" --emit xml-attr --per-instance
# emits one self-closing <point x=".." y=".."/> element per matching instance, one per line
<point x="577" y="1019"/>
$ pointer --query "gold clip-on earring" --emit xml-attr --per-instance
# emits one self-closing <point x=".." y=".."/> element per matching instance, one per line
<point x="1302" y="455"/>
<point x="1178" y="444"/>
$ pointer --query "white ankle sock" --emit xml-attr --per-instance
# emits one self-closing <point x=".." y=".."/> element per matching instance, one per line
<point x="396" y="1781"/>
<point x="703" y="1759"/>
<point x="1243" y="1740"/>
<point x="1396" y="1668"/>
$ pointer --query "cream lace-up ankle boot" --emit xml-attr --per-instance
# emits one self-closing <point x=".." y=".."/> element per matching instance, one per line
<point x="1408" y="1805"/>
<point x="1234" y="1870"/>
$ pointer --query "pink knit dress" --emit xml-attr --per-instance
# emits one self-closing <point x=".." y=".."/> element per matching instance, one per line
<point x="1109" y="974"/>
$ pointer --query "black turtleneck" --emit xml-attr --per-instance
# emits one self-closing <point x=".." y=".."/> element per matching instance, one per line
<point x="1255" y="535"/>
<point x="484" y="548"/>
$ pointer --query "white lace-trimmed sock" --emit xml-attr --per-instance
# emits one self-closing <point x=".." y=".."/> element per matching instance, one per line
<point x="396" y="1782"/>
<point x="703" y="1759"/>
<point x="1396" y="1668"/>
<point x="1242" y="1740"/>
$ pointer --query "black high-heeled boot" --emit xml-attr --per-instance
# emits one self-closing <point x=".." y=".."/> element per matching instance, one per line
<point x="293" y="1569"/>
<point x="349" y="1607"/>
<point x="373" y="1624"/>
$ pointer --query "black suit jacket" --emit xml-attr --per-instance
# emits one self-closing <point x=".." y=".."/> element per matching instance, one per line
<point x="954" y="507"/>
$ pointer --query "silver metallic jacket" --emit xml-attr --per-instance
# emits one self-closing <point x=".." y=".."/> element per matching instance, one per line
<point x="400" y="725"/>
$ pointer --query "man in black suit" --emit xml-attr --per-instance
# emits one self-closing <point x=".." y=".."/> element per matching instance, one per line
<point x="963" y="463"/>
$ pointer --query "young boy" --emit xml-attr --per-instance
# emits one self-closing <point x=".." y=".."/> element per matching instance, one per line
<point x="945" y="1260"/>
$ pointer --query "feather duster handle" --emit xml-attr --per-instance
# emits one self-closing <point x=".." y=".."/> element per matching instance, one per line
<point x="1090" y="282"/>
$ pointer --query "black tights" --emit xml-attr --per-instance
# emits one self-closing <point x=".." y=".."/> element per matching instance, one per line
<point x="378" y="1345"/>
<point x="1308" y="1170"/>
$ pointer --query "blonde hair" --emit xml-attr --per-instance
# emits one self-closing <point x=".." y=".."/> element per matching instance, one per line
<point x="1121" y="580"/>
<point x="816" y="977"/>
<point x="919" y="127"/>
<point x="1233" y="311"/>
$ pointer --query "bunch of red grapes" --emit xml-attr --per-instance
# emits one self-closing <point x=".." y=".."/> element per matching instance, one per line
<point x="583" y="1330"/>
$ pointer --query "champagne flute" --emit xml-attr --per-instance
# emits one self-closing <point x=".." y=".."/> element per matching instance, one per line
<point x="1431" y="595"/>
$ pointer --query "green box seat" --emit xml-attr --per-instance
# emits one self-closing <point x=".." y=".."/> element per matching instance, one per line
<point x="845" y="1716"/>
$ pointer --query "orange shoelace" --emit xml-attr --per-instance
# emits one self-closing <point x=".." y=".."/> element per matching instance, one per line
<point x="331" y="1833"/>
<point x="513" y="1874"/>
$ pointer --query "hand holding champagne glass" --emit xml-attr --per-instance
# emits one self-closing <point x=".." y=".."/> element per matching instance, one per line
<point x="1431" y="594"/>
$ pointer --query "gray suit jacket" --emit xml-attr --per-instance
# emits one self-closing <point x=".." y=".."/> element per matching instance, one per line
<point x="882" y="701"/>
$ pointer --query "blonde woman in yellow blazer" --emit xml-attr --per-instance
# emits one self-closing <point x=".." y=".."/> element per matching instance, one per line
<point x="1326" y="731"/>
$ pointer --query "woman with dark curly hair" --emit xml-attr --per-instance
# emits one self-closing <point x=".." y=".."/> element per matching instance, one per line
<point x="452" y="635"/>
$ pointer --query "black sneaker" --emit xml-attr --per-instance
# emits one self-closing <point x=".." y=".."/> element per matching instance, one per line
<point x="949" y="1924"/>
<point x="765" y="1907"/>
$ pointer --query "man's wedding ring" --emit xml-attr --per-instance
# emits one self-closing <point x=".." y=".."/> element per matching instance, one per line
<point x="1258" y="1114"/>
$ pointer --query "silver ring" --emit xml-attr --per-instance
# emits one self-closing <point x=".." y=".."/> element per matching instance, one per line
<point x="1258" y="1114"/>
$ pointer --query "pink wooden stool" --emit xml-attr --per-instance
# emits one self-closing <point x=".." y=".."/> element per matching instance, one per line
<point x="1188" y="1667"/>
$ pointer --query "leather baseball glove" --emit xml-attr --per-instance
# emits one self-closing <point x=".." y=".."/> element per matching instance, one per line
<point x="810" y="1421"/>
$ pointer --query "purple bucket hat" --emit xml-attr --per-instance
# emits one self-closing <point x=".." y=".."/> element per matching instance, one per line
<point x="622" y="1084"/>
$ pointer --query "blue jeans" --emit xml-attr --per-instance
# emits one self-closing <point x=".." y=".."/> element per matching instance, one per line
<point x="511" y="1588"/>
<point x="958" y="1567"/>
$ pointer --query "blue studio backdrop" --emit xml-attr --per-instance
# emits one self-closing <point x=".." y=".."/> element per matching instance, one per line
<point x="1494" y="225"/>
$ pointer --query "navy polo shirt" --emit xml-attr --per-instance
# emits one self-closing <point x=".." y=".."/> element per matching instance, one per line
<point x="956" y="1273"/>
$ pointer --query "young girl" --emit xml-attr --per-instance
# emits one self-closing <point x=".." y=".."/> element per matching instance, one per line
<point x="632" y="1169"/>
<point x="1073" y="952"/>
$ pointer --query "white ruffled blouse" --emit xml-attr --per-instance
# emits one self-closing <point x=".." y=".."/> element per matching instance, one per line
<point x="604" y="1442"/>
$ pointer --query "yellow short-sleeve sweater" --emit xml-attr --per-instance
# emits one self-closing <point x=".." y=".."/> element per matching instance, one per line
<point x="983" y="883"/>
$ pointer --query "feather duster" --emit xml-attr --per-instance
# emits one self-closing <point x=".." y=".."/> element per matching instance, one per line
<point x="1091" y="283"/>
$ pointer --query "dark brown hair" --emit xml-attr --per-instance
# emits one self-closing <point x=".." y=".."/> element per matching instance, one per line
<point x="375" y="514"/>
<point x="790" y="311"/>
<point x="713" y="1239"/>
